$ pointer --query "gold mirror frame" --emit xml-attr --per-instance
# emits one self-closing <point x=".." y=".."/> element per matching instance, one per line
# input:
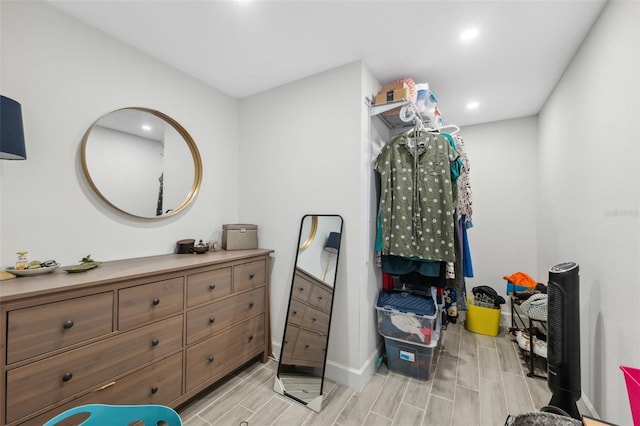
<point x="195" y="155"/>
<point x="312" y="234"/>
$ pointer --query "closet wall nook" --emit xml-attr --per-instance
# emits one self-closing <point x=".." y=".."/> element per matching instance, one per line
<point x="424" y="209"/>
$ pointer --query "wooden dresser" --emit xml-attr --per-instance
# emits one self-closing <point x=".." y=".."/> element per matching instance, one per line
<point x="308" y="321"/>
<point x="153" y="330"/>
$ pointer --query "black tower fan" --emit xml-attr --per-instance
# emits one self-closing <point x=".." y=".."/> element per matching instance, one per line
<point x="563" y="340"/>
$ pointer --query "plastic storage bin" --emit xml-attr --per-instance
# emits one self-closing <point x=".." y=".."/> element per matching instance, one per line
<point x="412" y="360"/>
<point x="482" y="320"/>
<point x="406" y="317"/>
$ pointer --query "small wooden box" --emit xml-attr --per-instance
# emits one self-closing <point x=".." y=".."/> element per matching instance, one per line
<point x="239" y="236"/>
<point x="397" y="92"/>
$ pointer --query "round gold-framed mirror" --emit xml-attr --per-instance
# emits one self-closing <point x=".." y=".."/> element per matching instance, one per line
<point x="141" y="162"/>
<point x="311" y="230"/>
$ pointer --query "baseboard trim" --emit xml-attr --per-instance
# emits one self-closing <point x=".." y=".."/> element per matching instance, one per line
<point x="354" y="378"/>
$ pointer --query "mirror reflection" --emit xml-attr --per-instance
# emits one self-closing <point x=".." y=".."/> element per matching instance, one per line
<point x="306" y="335"/>
<point x="141" y="162"/>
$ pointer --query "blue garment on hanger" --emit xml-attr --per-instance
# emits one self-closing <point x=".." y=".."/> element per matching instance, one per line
<point x="467" y="266"/>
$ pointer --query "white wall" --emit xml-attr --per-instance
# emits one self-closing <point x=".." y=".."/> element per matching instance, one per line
<point x="503" y="157"/>
<point x="371" y="346"/>
<point x="300" y="154"/>
<point x="589" y="199"/>
<point x="66" y="75"/>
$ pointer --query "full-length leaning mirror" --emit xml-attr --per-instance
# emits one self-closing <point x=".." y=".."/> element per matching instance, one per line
<point x="141" y="162"/>
<point x="306" y="334"/>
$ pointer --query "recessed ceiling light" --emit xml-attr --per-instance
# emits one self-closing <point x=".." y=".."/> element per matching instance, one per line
<point x="469" y="34"/>
<point x="146" y="127"/>
<point x="473" y="105"/>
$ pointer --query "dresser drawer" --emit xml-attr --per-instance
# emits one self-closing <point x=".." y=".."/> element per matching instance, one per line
<point x="315" y="320"/>
<point x="310" y="347"/>
<point x="40" y="329"/>
<point x="296" y="312"/>
<point x="211" y="357"/>
<point x="210" y="319"/>
<point x="249" y="275"/>
<point x="159" y="383"/>
<point x="141" y="304"/>
<point x="301" y="288"/>
<point x="51" y="380"/>
<point x="320" y="297"/>
<point x="208" y="286"/>
<point x="290" y="341"/>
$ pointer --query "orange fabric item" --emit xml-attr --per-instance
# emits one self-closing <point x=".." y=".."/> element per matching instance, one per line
<point x="520" y="278"/>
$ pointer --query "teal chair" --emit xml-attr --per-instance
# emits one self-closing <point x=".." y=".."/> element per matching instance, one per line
<point x="120" y="415"/>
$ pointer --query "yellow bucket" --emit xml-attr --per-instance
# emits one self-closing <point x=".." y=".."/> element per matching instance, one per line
<point x="482" y="320"/>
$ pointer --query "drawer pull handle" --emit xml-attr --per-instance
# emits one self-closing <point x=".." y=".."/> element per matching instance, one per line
<point x="313" y="319"/>
<point x="212" y="320"/>
<point x="212" y="286"/>
<point x="211" y="358"/>
<point x="251" y="304"/>
<point x="295" y="312"/>
<point x="306" y="346"/>
<point x="251" y="275"/>
<point x="301" y="289"/>
<point x="67" y="377"/>
<point x="251" y="337"/>
<point x="156" y="301"/>
<point x="155" y="342"/>
<point x="319" y="297"/>
<point x="68" y="324"/>
<point x="154" y="389"/>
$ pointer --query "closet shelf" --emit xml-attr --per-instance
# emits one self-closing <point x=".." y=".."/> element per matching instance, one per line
<point x="407" y="116"/>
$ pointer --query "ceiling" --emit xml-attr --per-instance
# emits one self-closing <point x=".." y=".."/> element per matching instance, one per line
<point x="246" y="47"/>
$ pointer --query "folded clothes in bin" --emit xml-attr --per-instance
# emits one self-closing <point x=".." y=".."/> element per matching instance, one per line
<point x="406" y="317"/>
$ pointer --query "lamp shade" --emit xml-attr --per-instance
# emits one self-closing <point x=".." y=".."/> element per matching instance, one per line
<point x="11" y="130"/>
<point x="333" y="242"/>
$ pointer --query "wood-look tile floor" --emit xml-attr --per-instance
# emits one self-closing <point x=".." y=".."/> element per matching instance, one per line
<point x="475" y="380"/>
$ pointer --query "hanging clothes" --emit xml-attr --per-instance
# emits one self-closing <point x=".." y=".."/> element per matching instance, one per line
<point x="417" y="204"/>
<point x="465" y="197"/>
<point x="465" y="200"/>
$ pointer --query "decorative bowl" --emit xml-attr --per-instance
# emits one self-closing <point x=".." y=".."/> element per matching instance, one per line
<point x="32" y="272"/>
<point x="200" y="249"/>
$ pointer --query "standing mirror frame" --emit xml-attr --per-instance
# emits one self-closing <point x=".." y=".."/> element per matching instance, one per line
<point x="141" y="162"/>
<point x="305" y="339"/>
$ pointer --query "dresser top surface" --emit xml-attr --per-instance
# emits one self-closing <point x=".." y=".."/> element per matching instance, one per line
<point x="117" y="270"/>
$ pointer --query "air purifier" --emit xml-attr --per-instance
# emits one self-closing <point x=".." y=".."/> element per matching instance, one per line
<point x="563" y="338"/>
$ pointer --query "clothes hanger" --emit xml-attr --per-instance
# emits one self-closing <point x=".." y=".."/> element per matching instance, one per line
<point x="456" y="129"/>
